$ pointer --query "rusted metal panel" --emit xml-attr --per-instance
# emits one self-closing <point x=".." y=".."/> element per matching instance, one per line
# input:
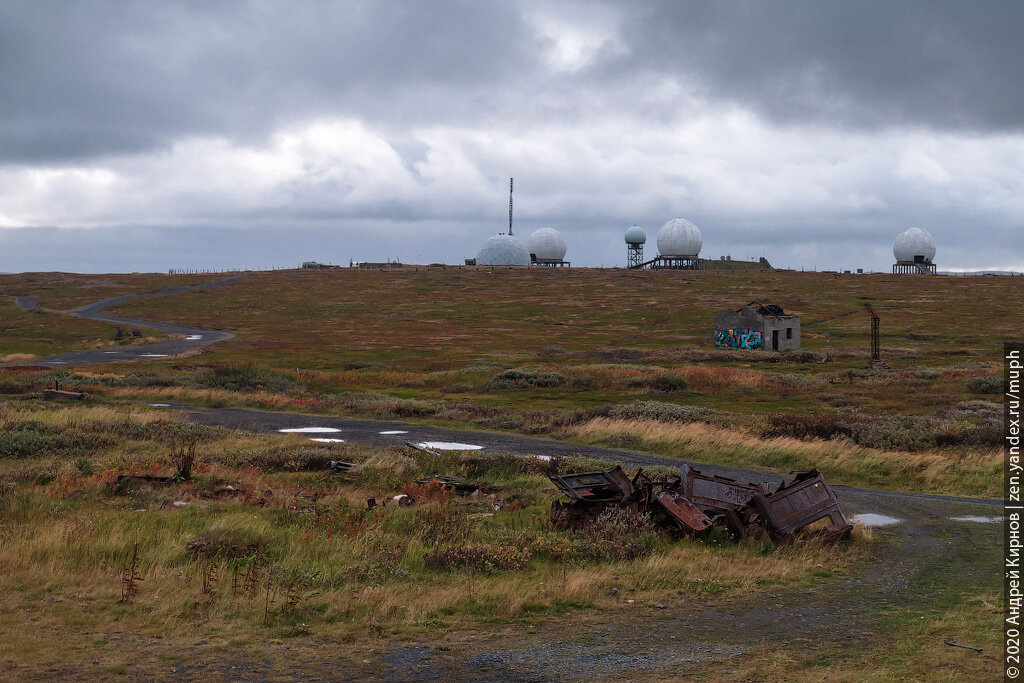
<point x="675" y="511"/>
<point x="798" y="504"/>
<point x="612" y="485"/>
<point x="713" y="492"/>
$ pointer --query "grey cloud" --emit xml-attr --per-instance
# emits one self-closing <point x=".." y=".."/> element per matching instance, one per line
<point x="86" y="79"/>
<point x="944" y="64"/>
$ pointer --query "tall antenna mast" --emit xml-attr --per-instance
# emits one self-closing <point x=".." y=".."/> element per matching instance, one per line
<point x="510" y="206"/>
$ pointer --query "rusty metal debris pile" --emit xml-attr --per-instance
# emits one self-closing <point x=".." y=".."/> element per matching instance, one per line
<point x="694" y="502"/>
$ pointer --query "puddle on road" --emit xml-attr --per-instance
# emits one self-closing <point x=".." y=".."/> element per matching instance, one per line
<point x="193" y="337"/>
<point x="160" y="405"/>
<point x="872" y="519"/>
<point x="152" y="355"/>
<point x="449" y="446"/>
<point x="309" y="430"/>
<point x="323" y="439"/>
<point x="394" y="431"/>
<point x="976" y="519"/>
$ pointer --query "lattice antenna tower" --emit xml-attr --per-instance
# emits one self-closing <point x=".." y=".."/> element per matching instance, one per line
<point x="510" y="206"/>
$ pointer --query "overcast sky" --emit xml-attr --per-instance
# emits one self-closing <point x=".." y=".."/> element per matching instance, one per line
<point x="155" y="135"/>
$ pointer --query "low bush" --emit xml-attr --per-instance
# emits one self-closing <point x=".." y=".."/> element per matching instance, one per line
<point x="658" y="410"/>
<point x="991" y="384"/>
<point x="526" y="378"/>
<point x="479" y="557"/>
<point x="806" y="426"/>
<point x="670" y="384"/>
<point x="249" y="378"/>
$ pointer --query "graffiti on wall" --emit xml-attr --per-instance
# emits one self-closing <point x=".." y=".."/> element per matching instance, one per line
<point x="738" y="339"/>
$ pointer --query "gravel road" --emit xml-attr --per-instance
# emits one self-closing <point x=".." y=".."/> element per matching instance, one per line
<point x="194" y="338"/>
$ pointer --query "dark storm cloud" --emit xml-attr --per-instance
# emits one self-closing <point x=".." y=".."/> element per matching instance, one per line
<point x="936" y="63"/>
<point x="84" y="79"/>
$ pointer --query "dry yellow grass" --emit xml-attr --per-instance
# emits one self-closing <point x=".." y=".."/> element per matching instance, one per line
<point x="956" y="470"/>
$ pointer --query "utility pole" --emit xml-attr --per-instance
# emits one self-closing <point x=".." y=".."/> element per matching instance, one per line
<point x="876" y="351"/>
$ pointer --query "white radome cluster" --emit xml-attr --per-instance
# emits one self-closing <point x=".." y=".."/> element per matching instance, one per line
<point x="635" y="235"/>
<point x="502" y="250"/>
<point x="548" y="245"/>
<point x="679" y="238"/>
<point x="912" y="243"/>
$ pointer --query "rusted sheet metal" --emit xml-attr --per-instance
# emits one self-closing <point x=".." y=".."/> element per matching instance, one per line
<point x="612" y="485"/>
<point x="673" y="510"/>
<point x="715" y="493"/>
<point x="798" y="504"/>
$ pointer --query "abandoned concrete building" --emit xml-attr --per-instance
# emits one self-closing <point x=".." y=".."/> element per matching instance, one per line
<point x="756" y="326"/>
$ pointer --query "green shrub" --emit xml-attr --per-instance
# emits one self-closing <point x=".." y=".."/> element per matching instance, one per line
<point x="479" y="557"/>
<point x="249" y="377"/>
<point x="526" y="378"/>
<point x="670" y="384"/>
<point x="663" y="412"/>
<point x="992" y="384"/>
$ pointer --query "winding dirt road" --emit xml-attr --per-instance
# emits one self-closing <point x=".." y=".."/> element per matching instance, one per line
<point x="193" y="338"/>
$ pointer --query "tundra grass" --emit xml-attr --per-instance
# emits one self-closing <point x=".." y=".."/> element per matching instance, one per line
<point x="966" y="472"/>
<point x="321" y="566"/>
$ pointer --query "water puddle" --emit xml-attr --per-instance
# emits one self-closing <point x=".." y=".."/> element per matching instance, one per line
<point x="152" y="355"/>
<point x="449" y="446"/>
<point x="326" y="439"/>
<point x="541" y="457"/>
<point x="160" y="405"/>
<point x="872" y="519"/>
<point x="309" y="430"/>
<point x="976" y="519"/>
<point x="193" y="337"/>
<point x="394" y="431"/>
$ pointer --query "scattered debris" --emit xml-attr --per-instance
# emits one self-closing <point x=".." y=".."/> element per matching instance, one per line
<point x="692" y="503"/>
<point x="802" y="500"/>
<point x="130" y="575"/>
<point x="421" y="447"/>
<point x="459" y="488"/>
<point x="966" y="647"/>
<point x="61" y="395"/>
<point x="339" y="466"/>
<point x="403" y="500"/>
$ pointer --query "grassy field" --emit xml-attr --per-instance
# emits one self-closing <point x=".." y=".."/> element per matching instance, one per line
<point x="614" y="358"/>
<point x="548" y="351"/>
<point x="264" y="541"/>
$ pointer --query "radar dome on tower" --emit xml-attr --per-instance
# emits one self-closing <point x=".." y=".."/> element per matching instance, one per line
<point x="548" y="245"/>
<point x="636" y="235"/>
<point x="914" y="250"/>
<point x="679" y="238"/>
<point x="914" y="244"/>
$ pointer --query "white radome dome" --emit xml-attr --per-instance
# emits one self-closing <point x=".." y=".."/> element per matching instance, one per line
<point x="635" y="235"/>
<point x="679" y="238"/>
<point x="547" y="244"/>
<point x="914" y="242"/>
<point x="502" y="250"/>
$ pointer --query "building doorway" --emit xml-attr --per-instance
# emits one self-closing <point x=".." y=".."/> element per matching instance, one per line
<point x="775" y="340"/>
